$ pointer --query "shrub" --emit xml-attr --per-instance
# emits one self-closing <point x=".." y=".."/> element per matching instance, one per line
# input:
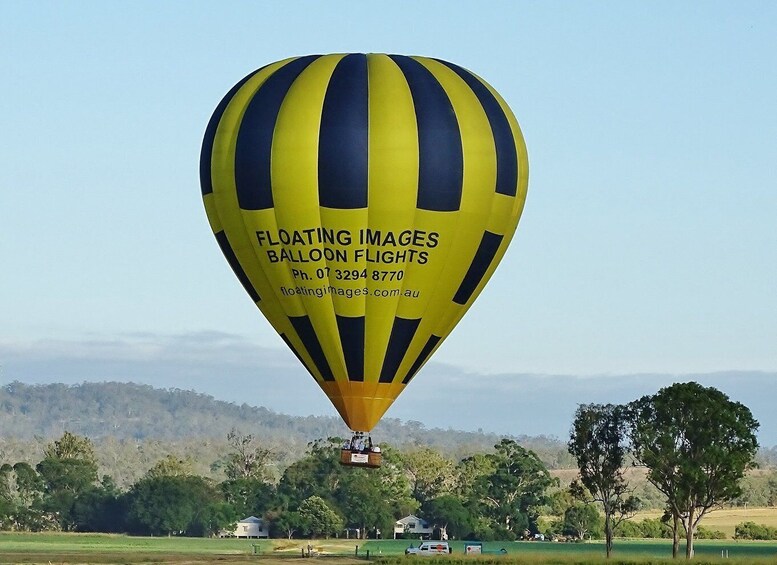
<point x="707" y="533"/>
<point x="751" y="530"/>
<point x="652" y="528"/>
<point x="628" y="529"/>
<point x="583" y="521"/>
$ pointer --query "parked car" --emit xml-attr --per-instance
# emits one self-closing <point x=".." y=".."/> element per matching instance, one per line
<point x="430" y="548"/>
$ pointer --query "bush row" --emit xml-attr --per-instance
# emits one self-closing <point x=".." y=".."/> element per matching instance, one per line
<point x="653" y="528"/>
<point x="751" y="530"/>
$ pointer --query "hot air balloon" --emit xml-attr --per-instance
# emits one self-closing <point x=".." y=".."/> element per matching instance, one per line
<point x="363" y="201"/>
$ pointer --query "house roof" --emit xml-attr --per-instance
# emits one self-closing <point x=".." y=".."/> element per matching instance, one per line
<point x="251" y="520"/>
<point x="411" y="518"/>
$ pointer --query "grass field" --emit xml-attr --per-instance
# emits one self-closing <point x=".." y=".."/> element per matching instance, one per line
<point x="118" y="549"/>
<point x="727" y="519"/>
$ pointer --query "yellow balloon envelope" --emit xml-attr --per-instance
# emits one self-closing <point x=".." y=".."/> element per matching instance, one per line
<point x="363" y="201"/>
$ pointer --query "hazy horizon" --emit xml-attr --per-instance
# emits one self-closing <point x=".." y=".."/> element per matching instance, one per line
<point x="232" y="369"/>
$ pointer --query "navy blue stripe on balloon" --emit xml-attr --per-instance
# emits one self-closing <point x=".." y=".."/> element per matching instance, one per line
<point x="229" y="253"/>
<point x="431" y="343"/>
<point x="254" y="139"/>
<point x="352" y="339"/>
<point x="206" y="181"/>
<point x="484" y="256"/>
<point x="286" y="340"/>
<point x="506" y="156"/>
<point x="441" y="159"/>
<point x="343" y="136"/>
<point x="305" y="331"/>
<point x="401" y="335"/>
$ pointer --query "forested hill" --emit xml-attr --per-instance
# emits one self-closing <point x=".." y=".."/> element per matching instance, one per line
<point x="127" y="411"/>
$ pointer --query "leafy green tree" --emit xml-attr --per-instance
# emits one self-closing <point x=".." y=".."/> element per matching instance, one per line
<point x="372" y="499"/>
<point x="559" y="501"/>
<point x="176" y="505"/>
<point x="317" y="474"/>
<point x="286" y="524"/>
<point x="319" y="519"/>
<point x="428" y="472"/>
<point x="21" y="496"/>
<point x="100" y="508"/>
<point x="697" y="445"/>
<point x="214" y="518"/>
<point x="249" y="496"/>
<point x="599" y="443"/>
<point x="162" y="505"/>
<point x="69" y="468"/>
<point x="470" y="472"/>
<point x="582" y="521"/>
<point x="510" y="496"/>
<point x="7" y="499"/>
<point x="369" y="499"/>
<point x="363" y="500"/>
<point x="394" y="485"/>
<point x="450" y="514"/>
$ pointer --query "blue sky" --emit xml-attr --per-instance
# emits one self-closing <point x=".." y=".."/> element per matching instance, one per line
<point x="648" y="242"/>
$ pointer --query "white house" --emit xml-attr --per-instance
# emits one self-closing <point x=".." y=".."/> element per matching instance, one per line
<point x="252" y="527"/>
<point x="412" y="526"/>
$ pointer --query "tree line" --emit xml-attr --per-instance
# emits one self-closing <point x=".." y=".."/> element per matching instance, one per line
<point x="694" y="443"/>
<point x="492" y="495"/>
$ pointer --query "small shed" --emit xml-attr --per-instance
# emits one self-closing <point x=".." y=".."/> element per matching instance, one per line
<point x="252" y="527"/>
<point x="412" y="526"/>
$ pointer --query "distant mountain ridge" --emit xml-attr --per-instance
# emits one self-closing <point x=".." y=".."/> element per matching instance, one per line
<point x="137" y="411"/>
<point x="129" y="411"/>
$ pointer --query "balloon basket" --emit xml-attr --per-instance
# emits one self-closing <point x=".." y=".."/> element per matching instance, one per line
<point x="350" y="458"/>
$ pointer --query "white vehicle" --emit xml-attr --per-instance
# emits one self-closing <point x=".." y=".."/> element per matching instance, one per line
<point x="429" y="548"/>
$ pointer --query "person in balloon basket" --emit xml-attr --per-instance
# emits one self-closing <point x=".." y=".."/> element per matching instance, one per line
<point x="371" y="447"/>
